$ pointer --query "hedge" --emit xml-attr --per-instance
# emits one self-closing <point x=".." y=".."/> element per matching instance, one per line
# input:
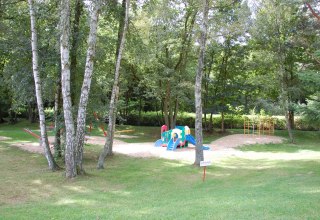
<point x="230" y="121"/>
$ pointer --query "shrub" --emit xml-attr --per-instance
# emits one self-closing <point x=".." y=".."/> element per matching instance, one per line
<point x="230" y="120"/>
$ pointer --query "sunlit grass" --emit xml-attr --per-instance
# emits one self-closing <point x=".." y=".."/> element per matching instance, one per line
<point x="260" y="182"/>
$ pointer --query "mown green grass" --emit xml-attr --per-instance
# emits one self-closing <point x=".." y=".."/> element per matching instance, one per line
<point x="303" y="140"/>
<point x="152" y="188"/>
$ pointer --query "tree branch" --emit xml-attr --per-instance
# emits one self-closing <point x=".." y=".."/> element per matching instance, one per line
<point x="312" y="11"/>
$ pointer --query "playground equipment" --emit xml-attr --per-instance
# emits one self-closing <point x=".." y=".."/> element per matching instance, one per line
<point x="32" y="133"/>
<point x="179" y="137"/>
<point x="260" y="126"/>
<point x="27" y="130"/>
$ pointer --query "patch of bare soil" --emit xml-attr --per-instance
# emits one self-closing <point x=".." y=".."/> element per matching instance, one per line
<point x="219" y="148"/>
<point x="32" y="147"/>
<point x="236" y="140"/>
<point x="98" y="140"/>
<point x="2" y="138"/>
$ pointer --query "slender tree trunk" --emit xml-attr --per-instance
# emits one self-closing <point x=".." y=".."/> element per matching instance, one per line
<point x="222" y="122"/>
<point x="291" y="118"/>
<point x="198" y="105"/>
<point x="31" y="116"/>
<point x="74" y="51"/>
<point x="57" y="112"/>
<point x="171" y="116"/>
<point x="284" y="97"/>
<point x="107" y="149"/>
<point x="140" y="110"/>
<point x="65" y="82"/>
<point x="166" y="105"/>
<point x="85" y="90"/>
<point x="211" y="123"/>
<point x="175" y="115"/>
<point x="285" y="105"/>
<point x="34" y="44"/>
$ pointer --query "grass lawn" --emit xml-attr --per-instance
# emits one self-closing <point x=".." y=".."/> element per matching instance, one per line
<point x="152" y="188"/>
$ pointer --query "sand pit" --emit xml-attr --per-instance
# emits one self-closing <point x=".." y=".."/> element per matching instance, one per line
<point x="222" y="147"/>
<point x="236" y="140"/>
<point x="2" y="138"/>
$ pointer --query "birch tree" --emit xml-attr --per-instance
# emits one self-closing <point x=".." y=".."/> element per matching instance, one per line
<point x="65" y="85"/>
<point x="198" y="104"/>
<point x="85" y="90"/>
<point x="107" y="149"/>
<point x="34" y="45"/>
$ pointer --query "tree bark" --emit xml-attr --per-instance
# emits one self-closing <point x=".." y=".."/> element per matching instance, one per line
<point x="85" y="90"/>
<point x="222" y="122"/>
<point x="198" y="105"/>
<point x="34" y="45"/>
<point x="175" y="114"/>
<point x="291" y="118"/>
<point x="74" y="51"/>
<point x="313" y="12"/>
<point x="65" y="82"/>
<point x="57" y="112"/>
<point x="284" y="97"/>
<point x="166" y="105"/>
<point x="107" y="149"/>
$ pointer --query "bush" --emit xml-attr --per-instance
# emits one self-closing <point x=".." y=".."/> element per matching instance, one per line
<point x="231" y="121"/>
<point x="302" y="124"/>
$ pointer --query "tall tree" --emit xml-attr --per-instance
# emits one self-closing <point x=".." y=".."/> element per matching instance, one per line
<point x="85" y="90"/>
<point x="198" y="83"/>
<point x="107" y="149"/>
<point x="75" y="44"/>
<point x="275" y="30"/>
<point x="172" y="37"/>
<point x="65" y="85"/>
<point x="34" y="44"/>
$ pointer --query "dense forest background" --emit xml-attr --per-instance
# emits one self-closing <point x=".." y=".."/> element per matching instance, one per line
<point x="261" y="57"/>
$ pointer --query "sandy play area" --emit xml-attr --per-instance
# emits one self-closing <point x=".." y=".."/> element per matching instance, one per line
<point x="226" y="146"/>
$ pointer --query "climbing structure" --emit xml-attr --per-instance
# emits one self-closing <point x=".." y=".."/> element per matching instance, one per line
<point x="178" y="137"/>
<point x="262" y="125"/>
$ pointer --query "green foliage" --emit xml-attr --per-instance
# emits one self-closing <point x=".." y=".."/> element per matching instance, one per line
<point x="311" y="112"/>
<point x="241" y="63"/>
<point x="231" y="121"/>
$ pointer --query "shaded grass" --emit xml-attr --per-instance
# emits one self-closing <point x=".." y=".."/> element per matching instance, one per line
<point x="151" y="188"/>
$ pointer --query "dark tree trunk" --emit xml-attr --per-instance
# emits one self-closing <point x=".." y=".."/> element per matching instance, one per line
<point x="75" y="76"/>
<point x="222" y="122"/>
<point x="291" y="119"/>
<point x="32" y="115"/>
<point x="211" y="123"/>
<point x="166" y="105"/>
<point x="175" y="115"/>
<point x="57" y="113"/>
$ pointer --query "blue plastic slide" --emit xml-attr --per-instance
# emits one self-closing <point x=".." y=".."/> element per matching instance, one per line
<point x="158" y="143"/>
<point x="192" y="140"/>
<point x="172" y="145"/>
